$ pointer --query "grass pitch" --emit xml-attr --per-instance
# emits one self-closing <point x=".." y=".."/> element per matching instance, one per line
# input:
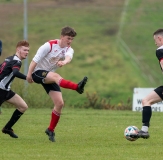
<point x="82" y="134"/>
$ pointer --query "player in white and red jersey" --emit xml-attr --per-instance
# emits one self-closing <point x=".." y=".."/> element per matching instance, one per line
<point x="9" y="69"/>
<point x="50" y="56"/>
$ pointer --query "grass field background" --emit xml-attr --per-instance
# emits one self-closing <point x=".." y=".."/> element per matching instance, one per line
<point x="115" y="49"/>
<point x="82" y="134"/>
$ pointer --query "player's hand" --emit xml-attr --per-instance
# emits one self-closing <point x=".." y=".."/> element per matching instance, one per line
<point x="29" y="79"/>
<point x="61" y="63"/>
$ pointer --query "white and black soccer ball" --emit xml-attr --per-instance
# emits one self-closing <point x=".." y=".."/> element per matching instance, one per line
<point x="131" y="133"/>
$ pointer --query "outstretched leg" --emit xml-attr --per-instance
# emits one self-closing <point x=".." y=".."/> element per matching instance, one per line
<point x="52" y="77"/>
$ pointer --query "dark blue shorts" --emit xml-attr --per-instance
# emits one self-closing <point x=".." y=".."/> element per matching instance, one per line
<point x="39" y="76"/>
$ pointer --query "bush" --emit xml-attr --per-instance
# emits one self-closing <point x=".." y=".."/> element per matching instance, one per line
<point x="96" y="102"/>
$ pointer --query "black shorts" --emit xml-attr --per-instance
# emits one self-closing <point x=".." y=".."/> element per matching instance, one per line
<point x="39" y="76"/>
<point x="159" y="91"/>
<point x="5" y="95"/>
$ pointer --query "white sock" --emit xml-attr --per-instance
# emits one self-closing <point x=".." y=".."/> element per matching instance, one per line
<point x="144" y="128"/>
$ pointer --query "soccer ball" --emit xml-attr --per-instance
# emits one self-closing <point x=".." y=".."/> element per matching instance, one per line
<point x="131" y="130"/>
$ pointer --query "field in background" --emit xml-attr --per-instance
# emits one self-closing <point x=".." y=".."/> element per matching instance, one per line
<point x="81" y="135"/>
<point x="111" y="35"/>
<point x="140" y="21"/>
<point x="114" y="47"/>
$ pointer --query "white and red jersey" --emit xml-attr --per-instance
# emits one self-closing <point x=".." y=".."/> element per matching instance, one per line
<point x="49" y="54"/>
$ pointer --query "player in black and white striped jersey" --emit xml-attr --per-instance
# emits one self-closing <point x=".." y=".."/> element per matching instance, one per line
<point x="9" y="69"/>
<point x="156" y="95"/>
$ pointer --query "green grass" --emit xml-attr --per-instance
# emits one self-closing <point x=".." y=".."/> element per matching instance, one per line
<point x="80" y="134"/>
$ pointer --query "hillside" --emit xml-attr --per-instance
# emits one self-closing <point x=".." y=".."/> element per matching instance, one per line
<point x="140" y="21"/>
<point x="105" y="28"/>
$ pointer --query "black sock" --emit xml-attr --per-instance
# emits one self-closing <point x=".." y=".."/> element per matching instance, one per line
<point x="14" y="118"/>
<point x="146" y="115"/>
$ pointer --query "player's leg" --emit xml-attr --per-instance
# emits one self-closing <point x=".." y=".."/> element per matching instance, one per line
<point x="150" y="99"/>
<point x="56" y="112"/>
<point x="52" y="77"/>
<point x="53" y="90"/>
<point x="46" y="77"/>
<point x="21" y="107"/>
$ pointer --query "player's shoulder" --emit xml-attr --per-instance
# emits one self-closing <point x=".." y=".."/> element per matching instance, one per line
<point x="54" y="41"/>
<point x="16" y="60"/>
<point x="69" y="48"/>
<point x="12" y="60"/>
<point x="159" y="50"/>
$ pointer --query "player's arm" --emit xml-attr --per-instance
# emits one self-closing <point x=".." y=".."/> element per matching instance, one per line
<point x="161" y="63"/>
<point x="159" y="54"/>
<point x="30" y="70"/>
<point x="17" y="74"/>
<point x="66" y="61"/>
<point x="68" y="58"/>
<point x="41" y="53"/>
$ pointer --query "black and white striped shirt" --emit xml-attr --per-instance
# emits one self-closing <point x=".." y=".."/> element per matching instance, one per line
<point x="8" y="68"/>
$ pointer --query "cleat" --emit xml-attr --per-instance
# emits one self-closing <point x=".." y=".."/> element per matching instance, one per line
<point x="81" y="85"/>
<point x="142" y="134"/>
<point x="9" y="132"/>
<point x="50" y="134"/>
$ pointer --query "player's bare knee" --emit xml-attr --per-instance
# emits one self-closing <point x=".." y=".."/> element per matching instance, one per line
<point x="61" y="104"/>
<point x="26" y="107"/>
<point x="146" y="102"/>
<point x="23" y="108"/>
<point x="56" y="77"/>
<point x="58" y="107"/>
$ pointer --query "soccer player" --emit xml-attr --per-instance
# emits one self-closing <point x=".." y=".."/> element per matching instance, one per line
<point x="156" y="95"/>
<point x="9" y="69"/>
<point x="50" y="56"/>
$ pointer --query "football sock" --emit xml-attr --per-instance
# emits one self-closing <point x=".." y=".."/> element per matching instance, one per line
<point x="144" y="128"/>
<point x="146" y="115"/>
<point x="14" y="118"/>
<point x="55" y="116"/>
<point x="68" y="84"/>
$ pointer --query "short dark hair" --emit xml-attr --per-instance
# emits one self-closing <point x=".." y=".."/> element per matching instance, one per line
<point x="68" y="31"/>
<point x="159" y="31"/>
<point x="22" y="43"/>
